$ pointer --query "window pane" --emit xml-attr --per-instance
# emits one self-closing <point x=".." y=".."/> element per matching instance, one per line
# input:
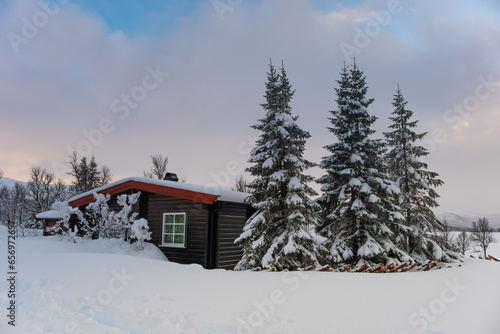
<point x="179" y="239"/>
<point x="174" y="228"/>
<point x="179" y="219"/>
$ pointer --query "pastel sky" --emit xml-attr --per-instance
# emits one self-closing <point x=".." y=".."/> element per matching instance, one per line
<point x="126" y="79"/>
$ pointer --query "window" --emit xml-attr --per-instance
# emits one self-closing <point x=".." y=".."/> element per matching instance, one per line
<point x="174" y="229"/>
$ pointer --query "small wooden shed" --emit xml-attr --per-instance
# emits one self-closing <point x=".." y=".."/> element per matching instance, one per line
<point x="189" y="223"/>
<point x="49" y="220"/>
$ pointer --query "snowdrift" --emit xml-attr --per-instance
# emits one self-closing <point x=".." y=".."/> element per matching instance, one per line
<point x="105" y="287"/>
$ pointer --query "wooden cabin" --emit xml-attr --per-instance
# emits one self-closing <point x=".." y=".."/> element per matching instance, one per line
<point x="189" y="223"/>
<point x="49" y="219"/>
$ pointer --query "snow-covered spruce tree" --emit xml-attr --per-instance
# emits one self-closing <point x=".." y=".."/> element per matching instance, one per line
<point x="278" y="234"/>
<point x="87" y="174"/>
<point x="360" y="217"/>
<point x="417" y="196"/>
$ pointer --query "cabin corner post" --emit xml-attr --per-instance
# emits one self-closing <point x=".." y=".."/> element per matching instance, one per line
<point x="213" y="221"/>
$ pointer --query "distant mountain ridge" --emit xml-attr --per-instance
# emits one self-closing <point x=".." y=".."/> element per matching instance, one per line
<point x="456" y="221"/>
<point x="8" y="182"/>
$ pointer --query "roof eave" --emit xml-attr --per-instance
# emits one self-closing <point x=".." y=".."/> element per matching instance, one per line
<point x="153" y="188"/>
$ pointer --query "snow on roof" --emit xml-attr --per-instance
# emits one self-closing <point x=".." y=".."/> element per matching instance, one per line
<point x="222" y="193"/>
<point x="51" y="214"/>
<point x="54" y="214"/>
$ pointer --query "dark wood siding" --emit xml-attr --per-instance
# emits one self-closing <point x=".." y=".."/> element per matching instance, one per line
<point x="49" y="223"/>
<point x="218" y="252"/>
<point x="231" y="220"/>
<point x="153" y="206"/>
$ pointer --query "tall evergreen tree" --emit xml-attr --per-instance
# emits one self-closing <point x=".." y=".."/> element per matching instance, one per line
<point x="87" y="174"/>
<point x="417" y="196"/>
<point x="278" y="234"/>
<point x="360" y="215"/>
<point x="94" y="176"/>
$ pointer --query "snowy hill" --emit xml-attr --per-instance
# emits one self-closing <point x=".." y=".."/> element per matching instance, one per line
<point x="465" y="221"/>
<point x="103" y="287"/>
<point x="8" y="182"/>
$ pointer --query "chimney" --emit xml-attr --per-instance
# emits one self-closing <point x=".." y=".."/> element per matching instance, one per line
<point x="171" y="177"/>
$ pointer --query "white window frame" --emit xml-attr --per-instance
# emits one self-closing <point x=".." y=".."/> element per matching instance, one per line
<point x="163" y="232"/>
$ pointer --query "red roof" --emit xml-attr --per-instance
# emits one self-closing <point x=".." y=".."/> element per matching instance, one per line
<point x="135" y="183"/>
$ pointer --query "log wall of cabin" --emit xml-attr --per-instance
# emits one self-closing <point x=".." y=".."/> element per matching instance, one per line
<point x="153" y="206"/>
<point x="231" y="219"/>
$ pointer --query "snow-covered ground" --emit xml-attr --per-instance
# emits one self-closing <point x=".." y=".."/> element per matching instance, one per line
<point x="108" y="287"/>
<point x="494" y="249"/>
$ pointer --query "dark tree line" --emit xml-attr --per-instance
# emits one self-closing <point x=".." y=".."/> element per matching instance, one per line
<point x="479" y="238"/>
<point x="87" y="174"/>
<point x="20" y="203"/>
<point x="23" y="201"/>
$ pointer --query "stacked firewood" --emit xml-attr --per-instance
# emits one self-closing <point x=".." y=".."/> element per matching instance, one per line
<point x="365" y="268"/>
